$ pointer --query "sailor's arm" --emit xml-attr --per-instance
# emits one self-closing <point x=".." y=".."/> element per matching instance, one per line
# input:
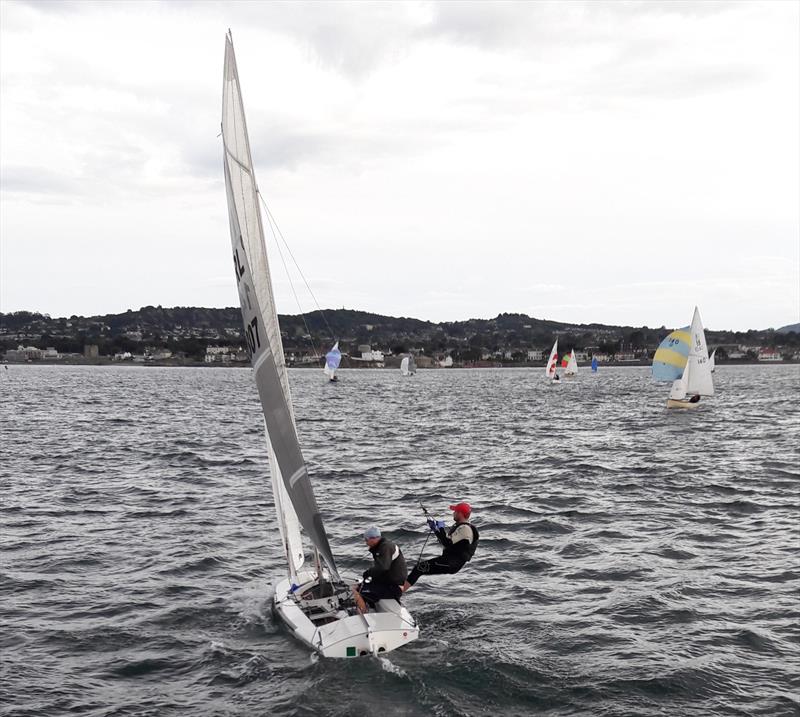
<point x="383" y="561"/>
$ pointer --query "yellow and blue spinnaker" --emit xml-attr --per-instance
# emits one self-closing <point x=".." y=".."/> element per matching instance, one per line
<point x="671" y="355"/>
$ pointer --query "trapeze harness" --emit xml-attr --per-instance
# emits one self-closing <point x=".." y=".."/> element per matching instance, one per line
<point x="454" y="556"/>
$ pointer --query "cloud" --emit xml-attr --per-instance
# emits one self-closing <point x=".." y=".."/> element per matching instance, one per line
<point x="437" y="159"/>
<point x="18" y="179"/>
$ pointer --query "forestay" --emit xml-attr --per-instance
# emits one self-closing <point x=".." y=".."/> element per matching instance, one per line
<point x="291" y="483"/>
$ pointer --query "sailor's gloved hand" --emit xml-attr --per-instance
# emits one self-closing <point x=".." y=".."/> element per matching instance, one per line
<point x="432" y="524"/>
<point x="439" y="525"/>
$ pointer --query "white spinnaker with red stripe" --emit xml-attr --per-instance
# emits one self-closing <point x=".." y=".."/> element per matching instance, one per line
<point x="550" y="369"/>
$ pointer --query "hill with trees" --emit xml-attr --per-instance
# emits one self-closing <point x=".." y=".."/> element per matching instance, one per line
<point x="508" y="336"/>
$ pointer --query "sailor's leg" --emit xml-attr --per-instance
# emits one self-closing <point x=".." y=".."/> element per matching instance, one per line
<point x="437" y="566"/>
<point x="360" y="603"/>
<point x="421" y="568"/>
<point x="374" y="591"/>
<point x="440" y="566"/>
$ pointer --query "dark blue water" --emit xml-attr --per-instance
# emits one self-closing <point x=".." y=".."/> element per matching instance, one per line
<point x="634" y="560"/>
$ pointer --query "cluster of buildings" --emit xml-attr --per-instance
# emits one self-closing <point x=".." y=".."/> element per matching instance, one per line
<point x="367" y="357"/>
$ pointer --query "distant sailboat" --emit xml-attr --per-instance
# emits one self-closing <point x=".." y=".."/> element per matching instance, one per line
<point x="712" y="361"/>
<point x="408" y="366"/>
<point x="572" y="365"/>
<point x="332" y="360"/>
<point x="552" y="362"/>
<point x="594" y="364"/>
<point x="682" y="357"/>
<point x="312" y="600"/>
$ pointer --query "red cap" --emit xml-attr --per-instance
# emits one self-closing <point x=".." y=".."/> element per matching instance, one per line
<point x="464" y="508"/>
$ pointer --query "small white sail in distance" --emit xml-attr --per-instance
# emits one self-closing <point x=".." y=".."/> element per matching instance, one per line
<point x="408" y="366"/>
<point x="550" y="368"/>
<point x="712" y="361"/>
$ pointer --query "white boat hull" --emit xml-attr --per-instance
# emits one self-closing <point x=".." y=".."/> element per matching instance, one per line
<point x="341" y="634"/>
<point x="675" y="403"/>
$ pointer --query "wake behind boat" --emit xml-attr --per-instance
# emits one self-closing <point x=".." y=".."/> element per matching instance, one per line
<point x="313" y="601"/>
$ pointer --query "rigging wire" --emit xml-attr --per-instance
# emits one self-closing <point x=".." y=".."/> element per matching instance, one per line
<point x="291" y="283"/>
<point x="279" y="233"/>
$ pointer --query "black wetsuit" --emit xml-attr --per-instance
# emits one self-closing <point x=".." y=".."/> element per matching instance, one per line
<point x="387" y="574"/>
<point x="454" y="556"/>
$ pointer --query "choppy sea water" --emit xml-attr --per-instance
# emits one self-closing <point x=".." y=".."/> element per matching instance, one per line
<point x="633" y="561"/>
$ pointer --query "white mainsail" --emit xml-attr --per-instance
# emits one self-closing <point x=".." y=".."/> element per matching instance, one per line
<point x="318" y="608"/>
<point x="572" y="365"/>
<point x="699" y="382"/>
<point x="294" y="497"/>
<point x="550" y="368"/>
<point x="712" y="362"/>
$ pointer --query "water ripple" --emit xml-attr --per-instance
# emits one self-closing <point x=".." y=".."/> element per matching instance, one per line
<point x="633" y="561"/>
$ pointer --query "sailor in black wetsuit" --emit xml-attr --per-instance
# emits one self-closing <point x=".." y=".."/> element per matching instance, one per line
<point x="459" y="542"/>
<point x="385" y="578"/>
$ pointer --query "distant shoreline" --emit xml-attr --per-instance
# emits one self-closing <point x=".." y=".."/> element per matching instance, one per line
<point x="182" y="363"/>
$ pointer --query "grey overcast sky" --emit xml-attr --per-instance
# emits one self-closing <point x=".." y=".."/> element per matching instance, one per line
<point x="617" y="162"/>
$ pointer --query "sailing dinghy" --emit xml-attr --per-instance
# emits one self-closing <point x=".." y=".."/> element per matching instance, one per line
<point x="571" y="369"/>
<point x="552" y="362"/>
<point x="682" y="357"/>
<point x="712" y="361"/>
<point x="332" y="360"/>
<point x="408" y="366"/>
<point x="594" y="364"/>
<point x="312" y="600"/>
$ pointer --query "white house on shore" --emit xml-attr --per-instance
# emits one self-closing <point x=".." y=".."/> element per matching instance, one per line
<point x="24" y="353"/>
<point x="769" y="355"/>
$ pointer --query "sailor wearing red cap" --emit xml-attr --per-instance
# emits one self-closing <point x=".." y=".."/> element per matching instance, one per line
<point x="459" y="542"/>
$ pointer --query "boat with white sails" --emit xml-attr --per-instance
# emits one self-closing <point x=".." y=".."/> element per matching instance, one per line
<point x="312" y="600"/>
<point x="552" y="363"/>
<point x="408" y="367"/>
<point x="571" y="369"/>
<point x="332" y="360"/>
<point x="682" y="357"/>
